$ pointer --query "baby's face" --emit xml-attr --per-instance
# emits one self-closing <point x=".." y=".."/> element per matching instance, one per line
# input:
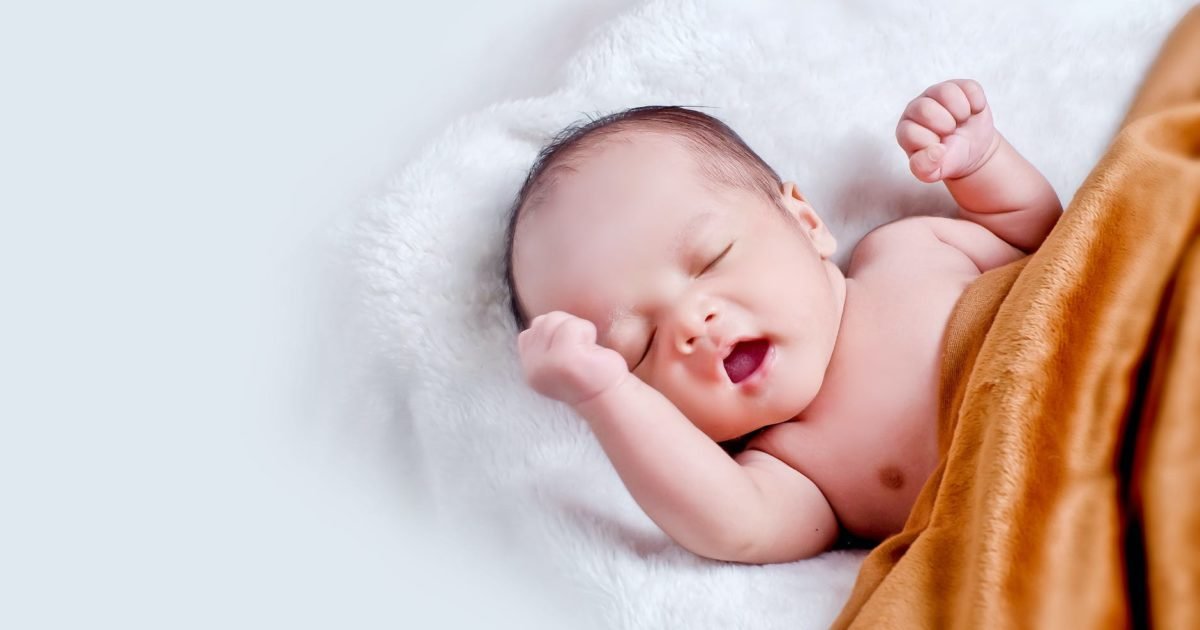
<point x="713" y="296"/>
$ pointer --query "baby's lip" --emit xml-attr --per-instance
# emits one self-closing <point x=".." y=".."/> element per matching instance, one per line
<point x="753" y="355"/>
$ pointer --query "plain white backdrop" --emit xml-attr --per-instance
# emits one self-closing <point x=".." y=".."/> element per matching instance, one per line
<point x="167" y="173"/>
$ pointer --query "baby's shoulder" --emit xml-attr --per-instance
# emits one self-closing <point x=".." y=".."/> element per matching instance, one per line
<point x="911" y="244"/>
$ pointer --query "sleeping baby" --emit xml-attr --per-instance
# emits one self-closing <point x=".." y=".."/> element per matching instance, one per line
<point x="680" y="297"/>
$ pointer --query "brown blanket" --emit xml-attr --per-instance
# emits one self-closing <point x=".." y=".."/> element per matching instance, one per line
<point x="1068" y="495"/>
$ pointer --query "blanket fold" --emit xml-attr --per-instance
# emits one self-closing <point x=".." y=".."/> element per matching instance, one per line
<point x="1068" y="493"/>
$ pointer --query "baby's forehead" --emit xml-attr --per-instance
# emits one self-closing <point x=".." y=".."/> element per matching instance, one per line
<point x="619" y="171"/>
<point x="624" y="149"/>
<point x="637" y="179"/>
<point x="647" y="190"/>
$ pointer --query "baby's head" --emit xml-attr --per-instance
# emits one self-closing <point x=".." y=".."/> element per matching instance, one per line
<point x="709" y="275"/>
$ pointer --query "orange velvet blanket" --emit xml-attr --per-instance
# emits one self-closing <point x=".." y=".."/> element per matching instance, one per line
<point x="1068" y="494"/>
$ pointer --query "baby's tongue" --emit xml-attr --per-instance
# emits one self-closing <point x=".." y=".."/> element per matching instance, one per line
<point x="745" y="358"/>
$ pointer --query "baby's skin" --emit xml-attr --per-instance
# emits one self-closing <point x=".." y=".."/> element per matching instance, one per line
<point x="673" y="315"/>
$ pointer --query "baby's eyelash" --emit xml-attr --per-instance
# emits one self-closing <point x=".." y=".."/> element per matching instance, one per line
<point x="646" y="353"/>
<point x="716" y="260"/>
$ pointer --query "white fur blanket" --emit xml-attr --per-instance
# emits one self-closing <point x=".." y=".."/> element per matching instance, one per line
<point x="816" y="88"/>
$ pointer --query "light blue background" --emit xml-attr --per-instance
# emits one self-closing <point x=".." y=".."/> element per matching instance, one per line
<point x="167" y="173"/>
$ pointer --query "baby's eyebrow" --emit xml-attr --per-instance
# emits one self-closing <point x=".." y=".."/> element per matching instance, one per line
<point x="688" y="233"/>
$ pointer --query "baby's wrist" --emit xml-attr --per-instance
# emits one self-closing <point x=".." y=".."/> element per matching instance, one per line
<point x="609" y="400"/>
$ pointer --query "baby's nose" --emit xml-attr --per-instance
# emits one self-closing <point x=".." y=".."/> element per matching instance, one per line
<point x="694" y="331"/>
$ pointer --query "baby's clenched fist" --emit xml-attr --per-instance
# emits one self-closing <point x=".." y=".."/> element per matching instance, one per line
<point x="561" y="360"/>
<point x="948" y="132"/>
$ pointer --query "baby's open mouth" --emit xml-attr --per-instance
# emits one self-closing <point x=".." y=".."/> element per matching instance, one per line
<point x="745" y="358"/>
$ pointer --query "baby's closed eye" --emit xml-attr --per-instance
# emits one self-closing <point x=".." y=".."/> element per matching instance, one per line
<point x="713" y="262"/>
<point x="630" y="338"/>
<point x="646" y="351"/>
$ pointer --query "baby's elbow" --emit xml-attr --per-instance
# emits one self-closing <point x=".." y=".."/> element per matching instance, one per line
<point x="728" y="542"/>
<point x="752" y="546"/>
<point x="737" y="548"/>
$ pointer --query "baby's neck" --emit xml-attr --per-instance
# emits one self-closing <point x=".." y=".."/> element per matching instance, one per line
<point x="847" y="297"/>
<point x="840" y="284"/>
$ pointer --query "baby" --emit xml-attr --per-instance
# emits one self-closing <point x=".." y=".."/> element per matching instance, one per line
<point x="677" y="294"/>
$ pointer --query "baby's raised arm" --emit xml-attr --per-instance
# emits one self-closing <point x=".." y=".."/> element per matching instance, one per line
<point x="753" y="509"/>
<point x="949" y="136"/>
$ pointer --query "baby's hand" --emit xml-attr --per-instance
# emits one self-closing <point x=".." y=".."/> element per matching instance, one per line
<point x="562" y="361"/>
<point x="947" y="132"/>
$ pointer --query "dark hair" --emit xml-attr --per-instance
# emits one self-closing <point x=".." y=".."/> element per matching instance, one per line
<point x="726" y="159"/>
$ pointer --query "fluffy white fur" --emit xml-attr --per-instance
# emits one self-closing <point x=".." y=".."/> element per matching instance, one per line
<point x="816" y="88"/>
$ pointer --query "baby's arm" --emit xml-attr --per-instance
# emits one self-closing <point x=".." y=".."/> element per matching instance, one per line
<point x="949" y="136"/>
<point x="753" y="509"/>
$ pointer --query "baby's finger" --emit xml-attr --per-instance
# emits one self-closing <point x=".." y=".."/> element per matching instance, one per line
<point x="913" y="137"/>
<point x="580" y="333"/>
<point x="571" y="336"/>
<point x="564" y="322"/>
<point x="926" y="164"/>
<point x="528" y="338"/>
<point x="929" y="113"/>
<point x="950" y="95"/>
<point x="974" y="93"/>
<point x="542" y="329"/>
<point x="553" y="320"/>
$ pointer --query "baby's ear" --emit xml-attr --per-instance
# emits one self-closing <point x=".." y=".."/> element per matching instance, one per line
<point x="797" y="206"/>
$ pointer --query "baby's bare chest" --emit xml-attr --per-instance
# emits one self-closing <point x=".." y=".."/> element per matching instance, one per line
<point x="869" y="441"/>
